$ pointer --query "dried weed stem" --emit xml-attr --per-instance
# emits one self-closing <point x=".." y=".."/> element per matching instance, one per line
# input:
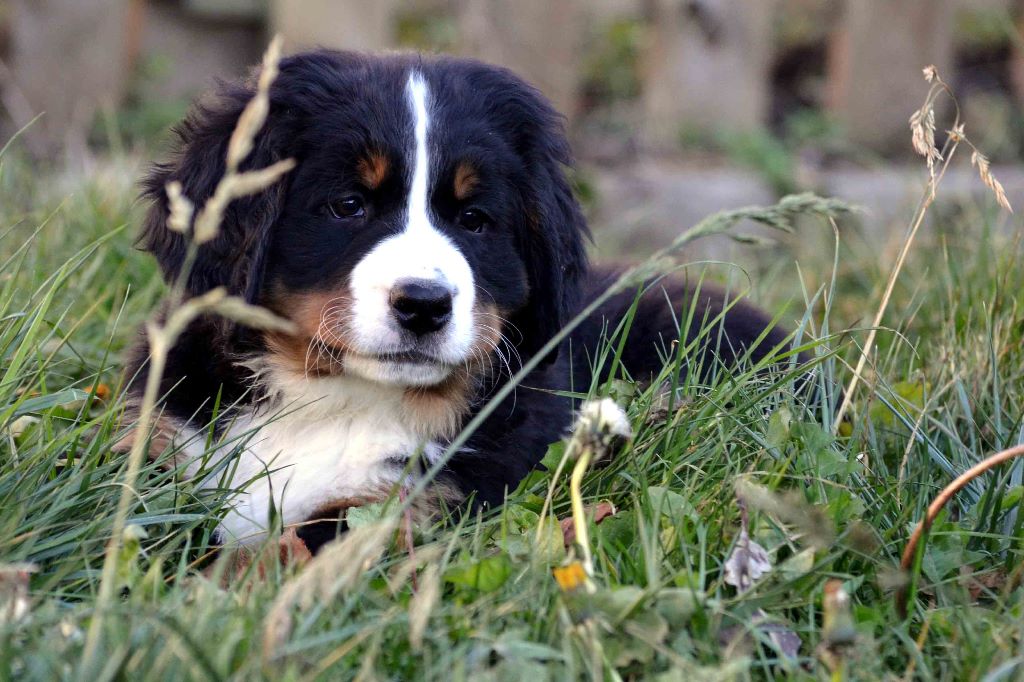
<point x="181" y="313"/>
<point x="947" y="493"/>
<point x="922" y="126"/>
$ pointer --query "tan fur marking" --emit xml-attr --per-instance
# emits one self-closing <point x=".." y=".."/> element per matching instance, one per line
<point x="373" y="169"/>
<point x="466" y="180"/>
<point x="319" y="345"/>
<point x="438" y="410"/>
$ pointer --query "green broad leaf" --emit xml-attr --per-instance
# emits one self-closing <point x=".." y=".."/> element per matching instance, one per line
<point x="1012" y="498"/>
<point x="522" y="539"/>
<point x="625" y="652"/>
<point x="519" y="648"/>
<point x="486" y="575"/>
<point x="550" y="547"/>
<point x="621" y="391"/>
<point x="677" y="605"/>
<point x="647" y="625"/>
<point x="818" y="454"/>
<point x="619" y="531"/>
<point x="831" y="464"/>
<point x="619" y="603"/>
<point x="844" y="506"/>
<point x="779" y="427"/>
<point x="519" y="518"/>
<point x="530" y="501"/>
<point x="553" y="456"/>
<point x="813" y="437"/>
<point x="798" y="565"/>
<point x="366" y="515"/>
<point x="671" y="505"/>
<point x="907" y="396"/>
<point x="541" y="475"/>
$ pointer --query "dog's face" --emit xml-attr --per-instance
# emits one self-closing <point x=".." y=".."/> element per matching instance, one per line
<point x="395" y="251"/>
<point x="428" y="215"/>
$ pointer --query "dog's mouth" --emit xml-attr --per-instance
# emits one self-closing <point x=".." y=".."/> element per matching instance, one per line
<point x="409" y="356"/>
<point x="408" y="368"/>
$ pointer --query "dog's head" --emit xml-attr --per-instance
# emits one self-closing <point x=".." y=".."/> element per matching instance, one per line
<point x="428" y="213"/>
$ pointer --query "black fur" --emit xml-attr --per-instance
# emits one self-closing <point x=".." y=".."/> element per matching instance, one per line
<point x="326" y="109"/>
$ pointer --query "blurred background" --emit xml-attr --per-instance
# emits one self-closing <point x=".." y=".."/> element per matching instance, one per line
<point x="677" y="108"/>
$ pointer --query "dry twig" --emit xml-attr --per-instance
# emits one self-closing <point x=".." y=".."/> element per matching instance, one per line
<point x="940" y="501"/>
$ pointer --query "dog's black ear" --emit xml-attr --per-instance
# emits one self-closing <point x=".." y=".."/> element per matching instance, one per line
<point x="553" y="239"/>
<point x="235" y="257"/>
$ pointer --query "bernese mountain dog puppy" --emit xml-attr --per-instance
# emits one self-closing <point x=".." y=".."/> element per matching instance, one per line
<point x="426" y="243"/>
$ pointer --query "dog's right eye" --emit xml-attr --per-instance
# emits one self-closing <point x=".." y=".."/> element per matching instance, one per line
<point x="347" y="207"/>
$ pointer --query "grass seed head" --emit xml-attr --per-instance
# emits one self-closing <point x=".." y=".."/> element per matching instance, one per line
<point x="337" y="567"/>
<point x="981" y="162"/>
<point x="255" y="113"/>
<point x="922" y="127"/>
<point x="181" y="208"/>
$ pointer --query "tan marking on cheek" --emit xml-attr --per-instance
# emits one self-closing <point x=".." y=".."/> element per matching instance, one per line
<point x="437" y="411"/>
<point x="373" y="169"/>
<point x="466" y="180"/>
<point x="321" y="341"/>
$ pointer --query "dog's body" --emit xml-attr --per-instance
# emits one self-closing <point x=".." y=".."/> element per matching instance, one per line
<point x="426" y="243"/>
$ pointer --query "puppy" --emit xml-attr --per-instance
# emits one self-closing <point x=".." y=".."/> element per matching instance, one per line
<point x="426" y="244"/>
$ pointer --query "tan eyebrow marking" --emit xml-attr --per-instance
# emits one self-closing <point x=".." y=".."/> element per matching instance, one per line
<point x="466" y="180"/>
<point x="373" y="169"/>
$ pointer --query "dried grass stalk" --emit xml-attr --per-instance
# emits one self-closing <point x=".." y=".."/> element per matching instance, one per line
<point x="422" y="604"/>
<point x="255" y="113"/>
<point x="162" y="337"/>
<point x="233" y="186"/>
<point x="337" y="567"/>
<point x="922" y="125"/>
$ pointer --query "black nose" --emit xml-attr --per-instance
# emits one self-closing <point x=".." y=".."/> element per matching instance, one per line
<point x="421" y="306"/>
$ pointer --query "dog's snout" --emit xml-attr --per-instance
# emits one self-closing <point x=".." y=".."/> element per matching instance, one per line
<point x="421" y="306"/>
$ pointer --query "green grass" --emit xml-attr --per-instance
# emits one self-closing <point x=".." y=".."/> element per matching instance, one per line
<point x="73" y="291"/>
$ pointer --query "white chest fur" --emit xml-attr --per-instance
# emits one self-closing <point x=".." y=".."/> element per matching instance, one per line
<point x="319" y="443"/>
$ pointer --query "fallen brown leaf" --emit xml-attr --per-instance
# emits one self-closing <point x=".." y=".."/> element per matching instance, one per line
<point x="599" y="511"/>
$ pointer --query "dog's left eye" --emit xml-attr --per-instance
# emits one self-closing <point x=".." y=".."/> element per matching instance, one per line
<point x="473" y="219"/>
<point x="347" y="207"/>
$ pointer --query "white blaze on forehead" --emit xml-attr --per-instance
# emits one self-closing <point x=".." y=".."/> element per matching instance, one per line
<point x="419" y="251"/>
<point x="417" y="92"/>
